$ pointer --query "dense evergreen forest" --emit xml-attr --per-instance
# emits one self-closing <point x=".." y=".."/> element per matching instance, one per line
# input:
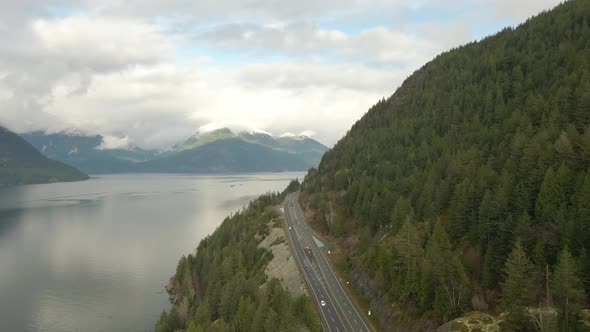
<point x="223" y="286"/>
<point x="469" y="187"/>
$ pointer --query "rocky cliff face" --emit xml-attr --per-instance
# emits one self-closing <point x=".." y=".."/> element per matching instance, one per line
<point x="283" y="265"/>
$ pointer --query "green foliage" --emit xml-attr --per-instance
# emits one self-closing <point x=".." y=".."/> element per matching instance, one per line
<point x="493" y="139"/>
<point x="293" y="186"/>
<point x="408" y="256"/>
<point x="444" y="285"/>
<point x="568" y="291"/>
<point x="21" y="163"/>
<point x="168" y="322"/>
<point x="518" y="288"/>
<point x="226" y="284"/>
<point x="402" y="211"/>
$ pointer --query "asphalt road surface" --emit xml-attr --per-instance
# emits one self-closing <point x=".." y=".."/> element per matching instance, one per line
<point x="336" y="309"/>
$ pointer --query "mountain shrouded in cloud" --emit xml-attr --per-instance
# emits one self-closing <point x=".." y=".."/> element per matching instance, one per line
<point x="209" y="150"/>
<point x="180" y="65"/>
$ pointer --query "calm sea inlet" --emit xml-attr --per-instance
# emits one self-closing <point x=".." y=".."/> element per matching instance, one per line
<point x="95" y="255"/>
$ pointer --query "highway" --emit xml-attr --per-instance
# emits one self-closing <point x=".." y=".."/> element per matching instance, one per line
<point x="338" y="314"/>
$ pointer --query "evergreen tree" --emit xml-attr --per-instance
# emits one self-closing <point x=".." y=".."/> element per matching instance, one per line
<point x="488" y="277"/>
<point x="203" y="314"/>
<point x="460" y="209"/>
<point x="547" y="201"/>
<point x="584" y="263"/>
<point x="497" y="135"/>
<point x="409" y="249"/>
<point x="401" y="211"/>
<point x="568" y="291"/>
<point x="517" y="288"/>
<point x="444" y="284"/>
<point x="582" y="230"/>
<point x="226" y="293"/>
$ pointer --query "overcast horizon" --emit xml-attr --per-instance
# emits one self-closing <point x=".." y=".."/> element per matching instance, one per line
<point x="151" y="73"/>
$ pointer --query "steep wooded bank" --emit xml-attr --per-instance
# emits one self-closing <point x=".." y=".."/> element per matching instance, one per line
<point x="21" y="163"/>
<point x="224" y="287"/>
<point x="471" y="183"/>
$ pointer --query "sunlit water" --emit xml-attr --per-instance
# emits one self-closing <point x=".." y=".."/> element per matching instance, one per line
<point x="95" y="255"/>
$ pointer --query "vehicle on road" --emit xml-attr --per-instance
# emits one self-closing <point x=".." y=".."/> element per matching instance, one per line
<point x="321" y="269"/>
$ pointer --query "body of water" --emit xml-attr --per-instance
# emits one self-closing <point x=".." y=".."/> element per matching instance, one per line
<point x="95" y="255"/>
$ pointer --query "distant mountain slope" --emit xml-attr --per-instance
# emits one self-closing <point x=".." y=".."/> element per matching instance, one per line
<point x="221" y="151"/>
<point x="262" y="138"/>
<point x="21" y="163"/>
<point x="301" y="144"/>
<point x="85" y="152"/>
<point x="199" y="139"/>
<point x="216" y="151"/>
<point x="485" y="146"/>
<point x="311" y="149"/>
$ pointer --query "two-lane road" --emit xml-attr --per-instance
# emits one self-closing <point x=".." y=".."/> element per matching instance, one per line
<point x="338" y="313"/>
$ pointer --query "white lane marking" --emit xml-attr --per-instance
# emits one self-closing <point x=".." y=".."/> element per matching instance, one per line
<point x="333" y="320"/>
<point x="331" y="272"/>
<point x="314" y="293"/>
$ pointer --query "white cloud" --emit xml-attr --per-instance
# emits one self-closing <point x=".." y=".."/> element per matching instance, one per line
<point x="211" y="126"/>
<point x="521" y="10"/>
<point x="102" y="43"/>
<point x="298" y="75"/>
<point x="379" y="44"/>
<point x="113" y="143"/>
<point x="307" y="133"/>
<point x="234" y="10"/>
<point x="55" y="61"/>
<point x="155" y="71"/>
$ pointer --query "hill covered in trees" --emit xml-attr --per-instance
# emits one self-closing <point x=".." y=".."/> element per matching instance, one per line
<point x="21" y="163"/>
<point x="224" y="287"/>
<point x="469" y="188"/>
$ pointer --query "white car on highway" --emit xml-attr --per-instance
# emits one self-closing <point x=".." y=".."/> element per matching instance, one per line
<point x="323" y="303"/>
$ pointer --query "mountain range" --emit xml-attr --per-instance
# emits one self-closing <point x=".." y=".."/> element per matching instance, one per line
<point x="217" y="151"/>
<point x="21" y="163"/>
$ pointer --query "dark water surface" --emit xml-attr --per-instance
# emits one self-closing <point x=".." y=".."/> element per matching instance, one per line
<point x="95" y="255"/>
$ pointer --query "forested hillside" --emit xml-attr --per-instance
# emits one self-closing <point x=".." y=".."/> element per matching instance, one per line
<point x="21" y="163"/>
<point x="223" y="286"/>
<point x="471" y="183"/>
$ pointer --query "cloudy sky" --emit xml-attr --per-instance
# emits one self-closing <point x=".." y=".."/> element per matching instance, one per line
<point x="154" y="71"/>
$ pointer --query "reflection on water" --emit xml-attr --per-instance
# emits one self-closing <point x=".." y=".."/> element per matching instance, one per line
<point x="94" y="255"/>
